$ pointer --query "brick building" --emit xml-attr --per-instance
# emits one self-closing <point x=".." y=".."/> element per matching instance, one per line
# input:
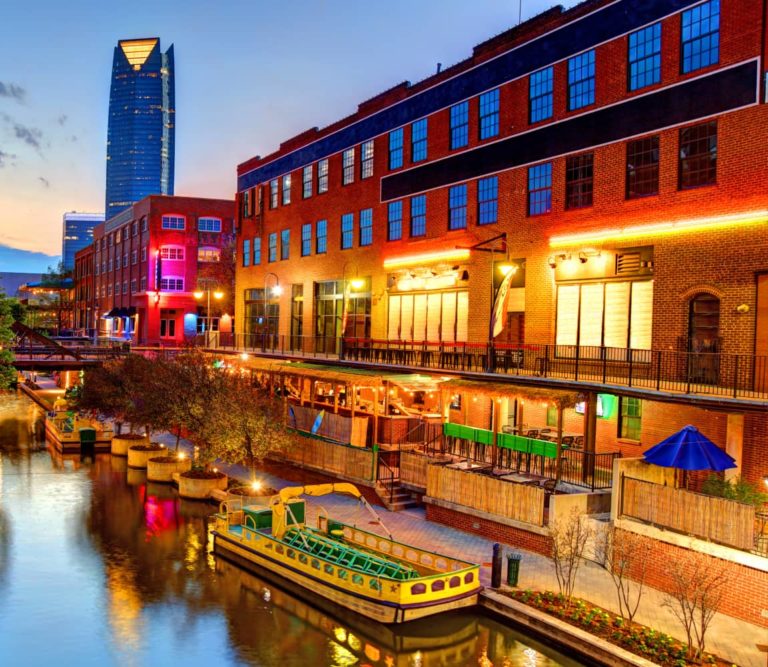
<point x="611" y="150"/>
<point x="138" y="280"/>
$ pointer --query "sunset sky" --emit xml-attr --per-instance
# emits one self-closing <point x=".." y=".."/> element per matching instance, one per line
<point x="249" y="74"/>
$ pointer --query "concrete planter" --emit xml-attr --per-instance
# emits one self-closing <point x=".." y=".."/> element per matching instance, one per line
<point x="161" y="468"/>
<point x="138" y="455"/>
<point x="197" y="488"/>
<point x="121" y="443"/>
<point x="241" y="497"/>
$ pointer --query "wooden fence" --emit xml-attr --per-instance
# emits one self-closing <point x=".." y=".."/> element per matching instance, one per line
<point x="486" y="494"/>
<point x="716" y="519"/>
<point x="328" y="457"/>
<point x="413" y="469"/>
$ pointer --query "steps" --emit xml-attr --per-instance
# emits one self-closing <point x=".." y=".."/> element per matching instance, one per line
<point x="401" y="498"/>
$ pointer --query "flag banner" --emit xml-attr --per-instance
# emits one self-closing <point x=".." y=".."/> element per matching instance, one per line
<point x="498" y="316"/>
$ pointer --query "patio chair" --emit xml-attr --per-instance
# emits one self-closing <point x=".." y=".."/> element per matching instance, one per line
<point x="532" y="433"/>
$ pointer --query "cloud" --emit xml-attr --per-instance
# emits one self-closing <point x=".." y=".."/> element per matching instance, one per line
<point x="62" y="119"/>
<point x="4" y="157"/>
<point x="13" y="91"/>
<point x="46" y="183"/>
<point x="32" y="136"/>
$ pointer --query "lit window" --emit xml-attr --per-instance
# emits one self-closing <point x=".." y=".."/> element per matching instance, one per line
<point x="209" y="225"/>
<point x="348" y="166"/>
<point x="578" y="181"/>
<point x="487" y="200"/>
<point x="285" y="244"/>
<point x="540" y="189"/>
<point x="630" y="417"/>
<point x="419" y="140"/>
<point x="274" y="187"/>
<point x="396" y="148"/>
<point x="173" y="222"/>
<point x="459" y="125"/>
<point x="581" y="80"/>
<point x="366" y="159"/>
<point x="347" y="230"/>
<point x="272" y="247"/>
<point x="395" y="221"/>
<point x="540" y="95"/>
<point x="700" y="36"/>
<point x="321" y="237"/>
<point x="306" y="182"/>
<point x="322" y="176"/>
<point x="171" y="284"/>
<point x="171" y="253"/>
<point x="698" y="155"/>
<point x="489" y="114"/>
<point x="306" y="239"/>
<point x="210" y="255"/>
<point x="286" y="189"/>
<point x="366" y="227"/>
<point x="257" y="250"/>
<point x="457" y="207"/>
<point x="645" y="57"/>
<point x="419" y="215"/>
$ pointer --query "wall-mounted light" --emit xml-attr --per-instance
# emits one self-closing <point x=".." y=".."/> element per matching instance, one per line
<point x="583" y="257"/>
<point x="742" y="308"/>
<point x="552" y="262"/>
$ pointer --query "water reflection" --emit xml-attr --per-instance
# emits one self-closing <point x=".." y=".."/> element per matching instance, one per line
<point x="119" y="571"/>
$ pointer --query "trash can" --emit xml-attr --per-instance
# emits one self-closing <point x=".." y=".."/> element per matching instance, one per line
<point x="87" y="440"/>
<point x="513" y="568"/>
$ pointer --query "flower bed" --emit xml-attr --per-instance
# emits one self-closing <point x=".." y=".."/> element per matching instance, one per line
<point x="653" y="645"/>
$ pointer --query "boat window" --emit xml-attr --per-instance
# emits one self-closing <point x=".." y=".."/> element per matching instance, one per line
<point x="454" y="582"/>
<point x="412" y="555"/>
<point x="438" y="585"/>
<point x="359" y="537"/>
<point x="385" y="546"/>
<point x="315" y="563"/>
<point x="469" y="577"/>
<point x="374" y="584"/>
<point x="418" y="589"/>
<point x="372" y="541"/>
<point x="426" y="559"/>
<point x="441" y="564"/>
<point x="357" y="579"/>
<point x="303" y="559"/>
<point x="279" y="549"/>
<point x="328" y="569"/>
<point x="291" y="553"/>
<point x="343" y="574"/>
<point x="397" y="550"/>
<point x="269" y="545"/>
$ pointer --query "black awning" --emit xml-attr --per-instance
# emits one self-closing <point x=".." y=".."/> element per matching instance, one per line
<point x="112" y="313"/>
<point x="131" y="311"/>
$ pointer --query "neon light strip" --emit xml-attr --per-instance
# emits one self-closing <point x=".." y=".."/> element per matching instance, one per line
<point x="440" y="256"/>
<point x="670" y="227"/>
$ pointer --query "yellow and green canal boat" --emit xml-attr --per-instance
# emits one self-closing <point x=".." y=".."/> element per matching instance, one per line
<point x="371" y="574"/>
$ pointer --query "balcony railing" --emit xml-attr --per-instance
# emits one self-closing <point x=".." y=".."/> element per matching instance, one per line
<point x="702" y="373"/>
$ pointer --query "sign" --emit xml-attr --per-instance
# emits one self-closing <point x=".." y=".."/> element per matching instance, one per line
<point x="498" y="315"/>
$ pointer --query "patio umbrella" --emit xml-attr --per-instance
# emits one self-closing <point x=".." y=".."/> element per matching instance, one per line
<point x="688" y="449"/>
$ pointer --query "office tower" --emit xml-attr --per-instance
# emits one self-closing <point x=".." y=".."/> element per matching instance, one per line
<point x="77" y="232"/>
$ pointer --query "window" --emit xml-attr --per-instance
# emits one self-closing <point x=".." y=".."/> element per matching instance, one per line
<point x="109" y="290"/>
<point x="419" y="140"/>
<point x="645" y="57"/>
<point x="117" y="263"/>
<point x="489" y="114"/>
<point x="419" y="215"/>
<point x="306" y="182"/>
<point x="285" y="243"/>
<point x="366" y="227"/>
<point x="173" y="222"/>
<point x="143" y="227"/>
<point x="700" y="36"/>
<point x="134" y="257"/>
<point x="551" y="415"/>
<point x="395" y="221"/>
<point x="246" y="252"/>
<point x="366" y="159"/>
<point x="144" y="254"/>
<point x="428" y="315"/>
<point x="272" y="257"/>
<point x="286" y="189"/>
<point x="321" y="237"/>
<point x="247" y="209"/>
<point x="540" y="189"/>
<point x="347" y="231"/>
<point x="457" y="207"/>
<point x="167" y="327"/>
<point x="134" y="228"/>
<point x="125" y="287"/>
<point x="348" y="166"/>
<point x="396" y="148"/>
<point x="487" y="200"/>
<point x="459" y="125"/>
<point x="698" y="155"/>
<point x="273" y="193"/>
<point x="208" y="255"/>
<point x="643" y="167"/>
<point x="133" y="285"/>
<point x="257" y="250"/>
<point x="171" y="253"/>
<point x="306" y="239"/>
<point x="578" y="181"/>
<point x="171" y="284"/>
<point x="581" y="80"/>
<point x="322" y="176"/>
<point x="143" y="283"/>
<point x="630" y="417"/>
<point x="209" y="225"/>
<point x="540" y="95"/>
<point x="125" y="260"/>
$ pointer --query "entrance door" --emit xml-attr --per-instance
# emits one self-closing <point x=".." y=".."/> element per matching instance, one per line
<point x="704" y="339"/>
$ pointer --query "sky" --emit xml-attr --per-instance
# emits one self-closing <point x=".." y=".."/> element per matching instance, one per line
<point x="249" y="74"/>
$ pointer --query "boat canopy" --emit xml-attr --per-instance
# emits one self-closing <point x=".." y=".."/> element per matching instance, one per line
<point x="316" y="490"/>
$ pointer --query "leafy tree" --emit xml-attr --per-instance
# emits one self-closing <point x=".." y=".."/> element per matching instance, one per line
<point x="8" y="373"/>
<point x="104" y="392"/>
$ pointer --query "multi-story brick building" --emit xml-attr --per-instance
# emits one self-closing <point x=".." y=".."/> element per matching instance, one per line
<point x="147" y="263"/>
<point x="84" y="291"/>
<point x="612" y="151"/>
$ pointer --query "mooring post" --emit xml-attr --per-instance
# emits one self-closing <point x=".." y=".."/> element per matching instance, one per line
<point x="496" y="566"/>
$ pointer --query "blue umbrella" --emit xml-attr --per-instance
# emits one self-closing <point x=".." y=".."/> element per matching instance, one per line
<point x="688" y="449"/>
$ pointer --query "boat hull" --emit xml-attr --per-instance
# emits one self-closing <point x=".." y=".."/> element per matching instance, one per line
<point x="70" y="442"/>
<point x="301" y="583"/>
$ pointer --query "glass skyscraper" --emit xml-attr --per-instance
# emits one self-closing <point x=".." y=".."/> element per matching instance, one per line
<point x="77" y="233"/>
<point x="141" y="130"/>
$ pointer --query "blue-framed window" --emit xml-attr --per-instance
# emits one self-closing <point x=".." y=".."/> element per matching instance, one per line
<point x="419" y="215"/>
<point x="540" y="189"/>
<point x="540" y="91"/>
<point x="459" y="125"/>
<point x="419" y="131"/>
<point x="209" y="225"/>
<point x="366" y="159"/>
<point x="489" y="114"/>
<point x="396" y="148"/>
<point x="306" y="181"/>
<point x="348" y="166"/>
<point x="246" y="252"/>
<point x="173" y="222"/>
<point x="395" y="221"/>
<point x="285" y="244"/>
<point x="581" y="80"/>
<point x="457" y="207"/>
<point x="286" y="189"/>
<point x="272" y="256"/>
<point x="347" y="231"/>
<point x="306" y="239"/>
<point x="488" y="200"/>
<point x="321" y="237"/>
<point x="366" y="227"/>
<point x="322" y="176"/>
<point x="644" y="57"/>
<point x="700" y="36"/>
<point x="273" y="193"/>
<point x="256" y="250"/>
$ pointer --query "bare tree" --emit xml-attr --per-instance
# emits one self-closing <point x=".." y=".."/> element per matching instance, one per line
<point x="624" y="555"/>
<point x="569" y="539"/>
<point x="698" y="588"/>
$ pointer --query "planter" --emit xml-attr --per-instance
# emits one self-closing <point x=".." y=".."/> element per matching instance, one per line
<point x="161" y="468"/>
<point x="245" y="496"/>
<point x="138" y="455"/>
<point x="198" y="486"/>
<point x="121" y="443"/>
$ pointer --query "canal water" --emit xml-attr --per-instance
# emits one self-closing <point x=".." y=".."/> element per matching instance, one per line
<point x="99" y="567"/>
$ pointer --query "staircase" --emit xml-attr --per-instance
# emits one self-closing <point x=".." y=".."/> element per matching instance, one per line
<point x="395" y="497"/>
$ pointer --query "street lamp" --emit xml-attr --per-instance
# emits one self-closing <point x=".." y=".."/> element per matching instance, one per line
<point x="277" y="290"/>
<point x="218" y="295"/>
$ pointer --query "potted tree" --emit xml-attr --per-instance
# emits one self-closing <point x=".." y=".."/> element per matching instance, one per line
<point x="143" y="385"/>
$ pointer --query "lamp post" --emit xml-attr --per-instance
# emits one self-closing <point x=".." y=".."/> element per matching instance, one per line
<point x="355" y="284"/>
<point x="277" y="290"/>
<point x="218" y="295"/>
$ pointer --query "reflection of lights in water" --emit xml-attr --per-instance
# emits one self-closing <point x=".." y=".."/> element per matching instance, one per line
<point x="193" y="551"/>
<point x="484" y="661"/>
<point x="354" y="642"/>
<point x="416" y="660"/>
<point x="124" y="607"/>
<point x="266" y="594"/>
<point x="531" y="657"/>
<point x="372" y="653"/>
<point x="340" y="634"/>
<point x="341" y="657"/>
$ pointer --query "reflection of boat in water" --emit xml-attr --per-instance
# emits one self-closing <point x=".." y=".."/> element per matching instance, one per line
<point x="454" y="642"/>
<point x="375" y="576"/>
<point x="63" y="428"/>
